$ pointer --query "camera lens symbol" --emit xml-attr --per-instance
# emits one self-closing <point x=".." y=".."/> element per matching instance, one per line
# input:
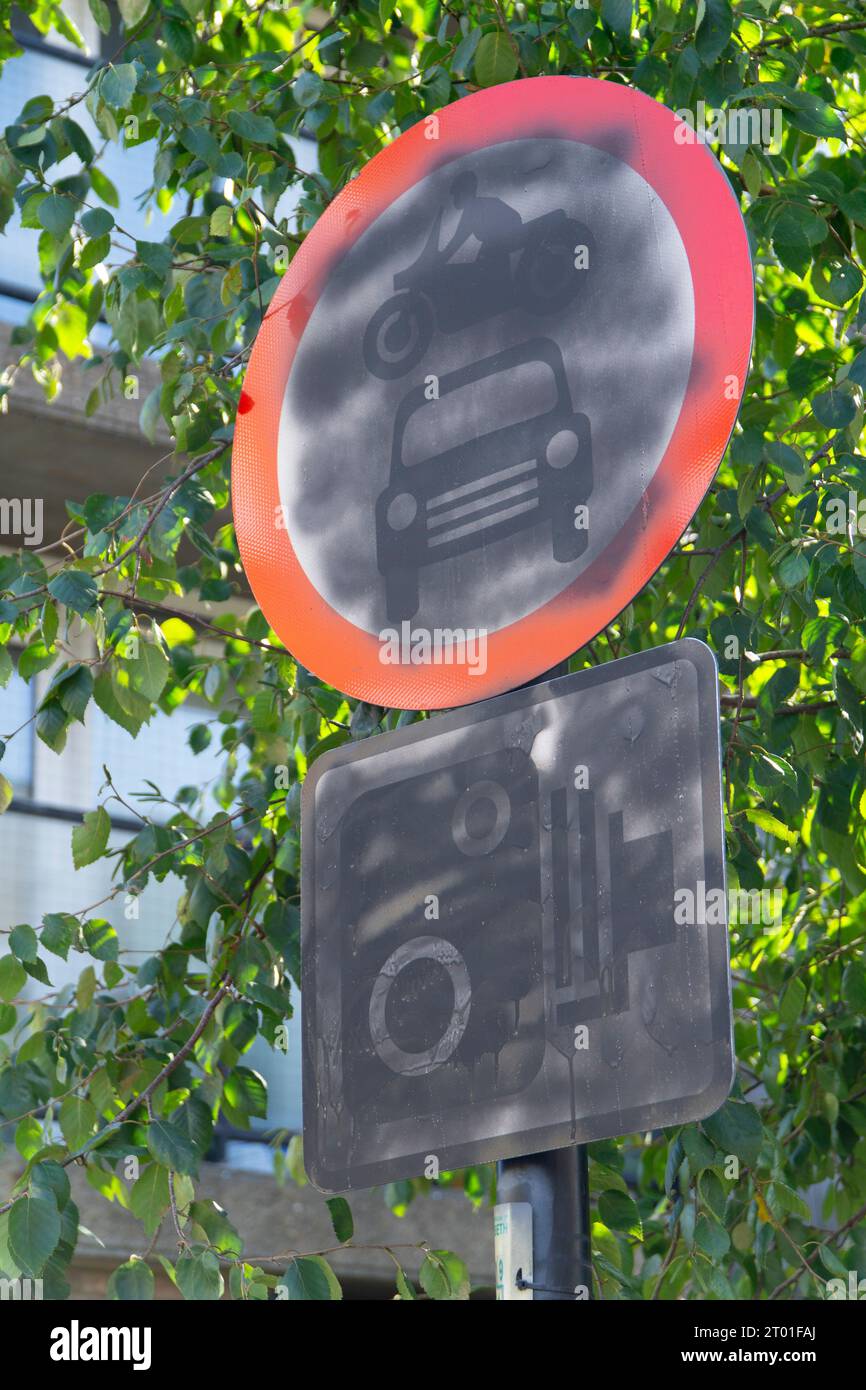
<point x="443" y="954"/>
<point x="481" y="818"/>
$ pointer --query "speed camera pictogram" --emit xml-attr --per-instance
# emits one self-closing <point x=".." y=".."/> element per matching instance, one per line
<point x="491" y="391"/>
<point x="494" y="962"/>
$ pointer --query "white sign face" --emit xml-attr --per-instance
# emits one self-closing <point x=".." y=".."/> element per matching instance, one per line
<point x="611" y="349"/>
<point x="514" y="925"/>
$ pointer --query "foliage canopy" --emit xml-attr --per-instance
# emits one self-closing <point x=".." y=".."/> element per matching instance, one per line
<point x="146" y="1054"/>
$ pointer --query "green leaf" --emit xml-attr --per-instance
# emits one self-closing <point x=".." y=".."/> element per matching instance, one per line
<point x="831" y="1262"/>
<point x="133" y="11"/>
<point x="698" y="1151"/>
<point x="199" y="141"/>
<point x="180" y="1142"/>
<point x="59" y="931"/>
<point x="770" y="823"/>
<point x="199" y="737"/>
<point x="246" y="1092"/>
<point x="306" y="1280"/>
<point x="810" y="113"/>
<point x="341" y="1218"/>
<point x="34" y="1233"/>
<point x="782" y="1200"/>
<point x="461" y="63"/>
<point x="259" y="129"/>
<point x="103" y="187"/>
<point x="73" y="688"/>
<point x="792" y="1002"/>
<point x="793" y="568"/>
<point x="736" y="1129"/>
<point x="102" y="1092"/>
<point x="151" y="414"/>
<point x="75" y="589"/>
<point x="100" y="939"/>
<point x="52" y="722"/>
<point x="29" y="1138"/>
<point x="618" y="15"/>
<point x="581" y="23"/>
<point x="714" y="31"/>
<point x="86" y="987"/>
<point x="12" y="977"/>
<point x="89" y="840"/>
<point x="799" y="228"/>
<point x="791" y="462"/>
<point x="24" y="942"/>
<point x="131" y="1282"/>
<point x="836" y="279"/>
<point x="444" y="1276"/>
<point x="835" y="408"/>
<point x="307" y="89"/>
<point x="95" y="252"/>
<point x="404" y="1288"/>
<point x="105" y="694"/>
<point x="49" y="1179"/>
<point x="854" y="986"/>
<point x="77" y="1121"/>
<point x="857" y="371"/>
<point x="495" y="60"/>
<point x="180" y="39"/>
<point x="619" y="1212"/>
<point x="221" y="220"/>
<point x="198" y="1276"/>
<point x="220" y="1233"/>
<point x="101" y="14"/>
<point x="295" y="1160"/>
<point x="171" y="1147"/>
<point x="187" y="232"/>
<point x="117" y="85"/>
<point x="56" y="213"/>
<point x="5" y="793"/>
<point x="711" y="1237"/>
<point x="150" y="671"/>
<point x="149" y="1199"/>
<point x="97" y="222"/>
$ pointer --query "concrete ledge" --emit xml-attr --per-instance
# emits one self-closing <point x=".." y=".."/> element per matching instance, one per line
<point x="53" y="451"/>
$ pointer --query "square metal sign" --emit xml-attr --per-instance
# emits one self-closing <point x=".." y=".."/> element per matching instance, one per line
<point x="514" y="925"/>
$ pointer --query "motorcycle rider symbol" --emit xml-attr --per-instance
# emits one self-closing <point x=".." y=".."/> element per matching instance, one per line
<point x="539" y="266"/>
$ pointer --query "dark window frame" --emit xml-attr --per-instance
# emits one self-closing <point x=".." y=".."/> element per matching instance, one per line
<point x="28" y="36"/>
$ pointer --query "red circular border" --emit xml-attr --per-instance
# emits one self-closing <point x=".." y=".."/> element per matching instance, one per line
<point x="696" y="192"/>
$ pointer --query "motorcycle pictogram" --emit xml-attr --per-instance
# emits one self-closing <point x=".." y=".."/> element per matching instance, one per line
<point x="540" y="266"/>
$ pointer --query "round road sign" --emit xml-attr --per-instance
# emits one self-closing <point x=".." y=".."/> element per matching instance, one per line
<point x="491" y="391"/>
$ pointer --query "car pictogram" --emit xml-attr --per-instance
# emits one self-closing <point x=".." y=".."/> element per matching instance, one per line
<point x="510" y="478"/>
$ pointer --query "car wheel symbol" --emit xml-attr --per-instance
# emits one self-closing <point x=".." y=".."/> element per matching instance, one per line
<point x="444" y="954"/>
<point x="475" y="830"/>
<point x="398" y="335"/>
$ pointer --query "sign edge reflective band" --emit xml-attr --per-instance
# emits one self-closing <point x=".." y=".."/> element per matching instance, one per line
<point x="486" y="1148"/>
<point x="688" y="179"/>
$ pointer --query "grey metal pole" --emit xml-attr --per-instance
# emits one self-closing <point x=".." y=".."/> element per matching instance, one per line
<point x="556" y="1186"/>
